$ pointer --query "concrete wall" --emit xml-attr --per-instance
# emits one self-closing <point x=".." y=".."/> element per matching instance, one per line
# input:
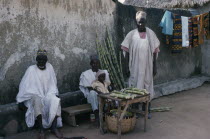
<point x="206" y="46"/>
<point x="169" y="66"/>
<point x="65" y="28"/>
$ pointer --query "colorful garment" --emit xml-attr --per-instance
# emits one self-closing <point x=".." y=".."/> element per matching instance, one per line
<point x="206" y="26"/>
<point x="177" y="34"/>
<point x="190" y="32"/>
<point x="195" y="31"/>
<point x="201" y="29"/>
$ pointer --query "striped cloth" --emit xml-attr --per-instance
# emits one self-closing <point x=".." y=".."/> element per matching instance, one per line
<point x="195" y="31"/>
<point x="190" y="28"/>
<point x="206" y="25"/>
<point x="201" y="29"/>
<point x="177" y="34"/>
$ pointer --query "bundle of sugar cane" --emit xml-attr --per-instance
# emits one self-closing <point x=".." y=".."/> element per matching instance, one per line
<point x="109" y="61"/>
<point x="160" y="109"/>
<point x="135" y="91"/>
<point x="122" y="95"/>
<point x="105" y="63"/>
<point x="117" y="92"/>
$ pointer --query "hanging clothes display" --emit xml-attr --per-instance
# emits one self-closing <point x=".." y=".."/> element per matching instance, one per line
<point x="187" y="32"/>
<point x="177" y="34"/>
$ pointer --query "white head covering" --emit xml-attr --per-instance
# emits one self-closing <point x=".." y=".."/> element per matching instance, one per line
<point x="99" y="73"/>
<point x="140" y="15"/>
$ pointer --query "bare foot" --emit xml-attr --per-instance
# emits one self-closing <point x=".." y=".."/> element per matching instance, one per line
<point x="41" y="135"/>
<point x="57" y="133"/>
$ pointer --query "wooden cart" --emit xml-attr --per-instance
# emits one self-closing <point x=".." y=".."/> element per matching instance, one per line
<point x="125" y="103"/>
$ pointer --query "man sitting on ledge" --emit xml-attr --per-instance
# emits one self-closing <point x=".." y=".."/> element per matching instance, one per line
<point x="86" y="79"/>
<point x="38" y="91"/>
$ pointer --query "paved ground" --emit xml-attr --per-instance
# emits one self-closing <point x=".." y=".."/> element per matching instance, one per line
<point x="188" y="119"/>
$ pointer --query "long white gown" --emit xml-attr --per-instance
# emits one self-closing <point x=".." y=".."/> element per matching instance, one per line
<point x="141" y="58"/>
<point x="41" y="83"/>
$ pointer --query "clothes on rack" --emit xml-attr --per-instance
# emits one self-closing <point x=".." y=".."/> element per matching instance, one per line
<point x="181" y="31"/>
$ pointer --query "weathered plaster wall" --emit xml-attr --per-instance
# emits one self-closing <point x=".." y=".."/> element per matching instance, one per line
<point x="169" y="66"/>
<point x="65" y="28"/>
<point x="206" y="46"/>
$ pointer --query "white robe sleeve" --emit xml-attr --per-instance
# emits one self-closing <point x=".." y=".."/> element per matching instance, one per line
<point x="83" y="84"/>
<point x="53" y="84"/>
<point x="154" y="41"/>
<point x="126" y="42"/>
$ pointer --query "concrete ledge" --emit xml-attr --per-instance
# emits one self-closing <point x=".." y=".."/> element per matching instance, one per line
<point x="179" y="85"/>
<point x="67" y="99"/>
<point x="10" y="112"/>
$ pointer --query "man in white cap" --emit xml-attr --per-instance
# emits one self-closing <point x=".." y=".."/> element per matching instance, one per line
<point x="142" y="45"/>
<point x="39" y="93"/>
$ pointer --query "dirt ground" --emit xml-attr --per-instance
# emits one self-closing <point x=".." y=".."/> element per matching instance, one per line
<point x="188" y="119"/>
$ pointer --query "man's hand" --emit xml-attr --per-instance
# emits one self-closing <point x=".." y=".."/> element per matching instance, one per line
<point x="90" y="88"/>
<point x="21" y="106"/>
<point x="154" y="72"/>
<point x="154" y="65"/>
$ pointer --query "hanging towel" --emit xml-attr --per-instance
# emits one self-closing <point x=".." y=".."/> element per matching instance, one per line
<point x="177" y="34"/>
<point x="185" y="32"/>
<point x="190" y="28"/>
<point x="195" y="31"/>
<point x="167" y="23"/>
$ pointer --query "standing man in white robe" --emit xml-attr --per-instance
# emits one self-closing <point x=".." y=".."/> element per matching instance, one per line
<point x="86" y="79"/>
<point x="39" y="93"/>
<point x="142" y="45"/>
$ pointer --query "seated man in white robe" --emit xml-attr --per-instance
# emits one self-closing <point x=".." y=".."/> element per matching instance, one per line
<point x="86" y="79"/>
<point x="39" y="93"/>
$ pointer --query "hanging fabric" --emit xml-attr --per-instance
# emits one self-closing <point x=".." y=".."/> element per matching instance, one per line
<point x="167" y="23"/>
<point x="185" y="31"/>
<point x="177" y="34"/>
<point x="201" y="29"/>
<point x="195" y="31"/>
<point x="190" y="29"/>
<point x="206" y="26"/>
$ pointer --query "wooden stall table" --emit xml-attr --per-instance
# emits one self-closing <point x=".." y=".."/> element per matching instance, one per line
<point x="125" y="103"/>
